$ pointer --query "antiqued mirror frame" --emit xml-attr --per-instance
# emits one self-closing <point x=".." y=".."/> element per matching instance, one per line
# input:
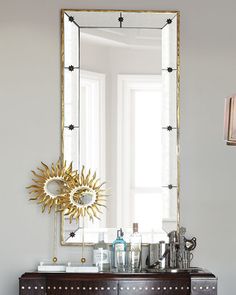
<point x="63" y="243"/>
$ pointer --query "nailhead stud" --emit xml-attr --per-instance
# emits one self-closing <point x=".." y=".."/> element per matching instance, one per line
<point x="153" y="288"/>
<point x="29" y="287"/>
<point x="42" y="288"/>
<point x="108" y="288"/>
<point x="23" y="287"/>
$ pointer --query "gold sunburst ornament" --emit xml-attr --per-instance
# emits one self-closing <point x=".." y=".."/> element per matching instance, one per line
<point x="86" y="197"/>
<point x="51" y="184"/>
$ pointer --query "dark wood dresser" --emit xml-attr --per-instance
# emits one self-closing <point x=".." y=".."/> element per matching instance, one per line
<point x="164" y="283"/>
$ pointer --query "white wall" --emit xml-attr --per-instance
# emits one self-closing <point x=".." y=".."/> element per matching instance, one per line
<point x="30" y="128"/>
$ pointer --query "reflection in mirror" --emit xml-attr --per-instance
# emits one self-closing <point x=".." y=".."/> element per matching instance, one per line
<point x="55" y="187"/>
<point x="121" y="84"/>
<point x="83" y="197"/>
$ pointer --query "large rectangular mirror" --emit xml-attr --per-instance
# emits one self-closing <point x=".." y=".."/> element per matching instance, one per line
<point x="120" y="117"/>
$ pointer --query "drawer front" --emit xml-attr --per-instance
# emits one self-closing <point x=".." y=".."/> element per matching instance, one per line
<point x="32" y="286"/>
<point x="153" y="287"/>
<point x="206" y="286"/>
<point x="83" y="287"/>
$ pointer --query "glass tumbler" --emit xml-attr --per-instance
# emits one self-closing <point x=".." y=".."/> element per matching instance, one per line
<point x="134" y="261"/>
<point x="121" y="260"/>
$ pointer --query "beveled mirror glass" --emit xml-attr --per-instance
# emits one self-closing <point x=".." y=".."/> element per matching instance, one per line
<point x="120" y="117"/>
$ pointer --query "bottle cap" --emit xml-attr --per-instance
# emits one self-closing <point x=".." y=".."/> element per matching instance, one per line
<point x="135" y="227"/>
<point x="120" y="233"/>
<point x="101" y="236"/>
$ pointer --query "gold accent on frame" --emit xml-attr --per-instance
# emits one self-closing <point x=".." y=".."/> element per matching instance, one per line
<point x="178" y="120"/>
<point x="177" y="97"/>
<point x="50" y="184"/>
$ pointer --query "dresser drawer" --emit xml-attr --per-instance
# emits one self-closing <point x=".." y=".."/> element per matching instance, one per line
<point x="76" y="287"/>
<point x="159" y="287"/>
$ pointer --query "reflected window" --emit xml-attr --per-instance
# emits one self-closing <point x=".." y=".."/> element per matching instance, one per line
<point x="140" y="133"/>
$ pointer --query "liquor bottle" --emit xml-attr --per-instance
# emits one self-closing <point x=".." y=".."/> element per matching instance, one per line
<point x="119" y="252"/>
<point x="135" y="250"/>
<point x="101" y="254"/>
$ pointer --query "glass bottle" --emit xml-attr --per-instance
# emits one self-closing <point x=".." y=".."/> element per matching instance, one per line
<point x="119" y="252"/>
<point x="101" y="254"/>
<point x="135" y="250"/>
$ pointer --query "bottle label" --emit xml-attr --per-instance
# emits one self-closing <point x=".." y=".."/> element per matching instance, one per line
<point x="100" y="256"/>
<point x="119" y="247"/>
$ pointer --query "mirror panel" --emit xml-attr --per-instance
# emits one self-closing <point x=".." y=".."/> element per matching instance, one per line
<point x="96" y="19"/>
<point x="169" y="156"/>
<point x="71" y="43"/>
<point x="169" y="89"/>
<point x="71" y="146"/>
<point x="71" y="97"/>
<point x="169" y="44"/>
<point x="122" y="103"/>
<point x="140" y="20"/>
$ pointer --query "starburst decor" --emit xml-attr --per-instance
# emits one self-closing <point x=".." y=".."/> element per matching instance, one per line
<point x="51" y="184"/>
<point x="86" y="197"/>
